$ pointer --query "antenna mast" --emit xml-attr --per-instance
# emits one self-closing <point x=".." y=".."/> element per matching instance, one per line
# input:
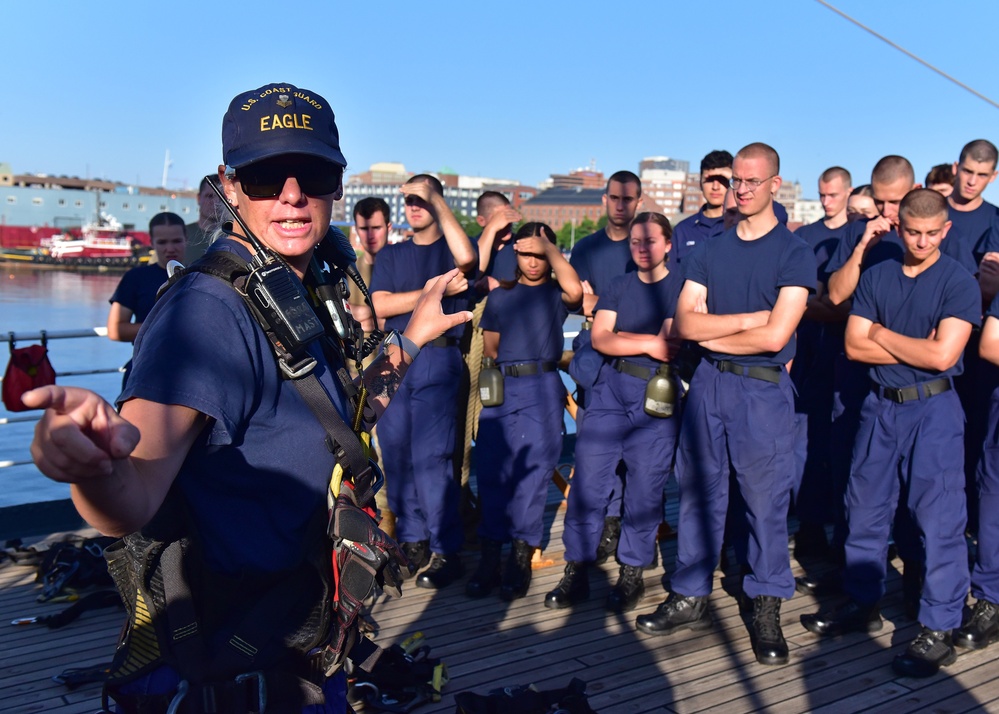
<point x="167" y="163"/>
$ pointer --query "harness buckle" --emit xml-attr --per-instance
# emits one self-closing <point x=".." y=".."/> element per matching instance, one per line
<point x="182" y="690"/>
<point x="261" y="688"/>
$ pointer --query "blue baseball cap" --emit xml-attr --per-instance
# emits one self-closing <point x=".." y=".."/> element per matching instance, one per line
<point x="279" y="119"/>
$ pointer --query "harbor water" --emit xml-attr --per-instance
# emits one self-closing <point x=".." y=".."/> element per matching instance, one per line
<point x="34" y="299"/>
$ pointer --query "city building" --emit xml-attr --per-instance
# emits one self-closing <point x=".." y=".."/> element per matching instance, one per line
<point x="461" y="192"/>
<point x="663" y="186"/>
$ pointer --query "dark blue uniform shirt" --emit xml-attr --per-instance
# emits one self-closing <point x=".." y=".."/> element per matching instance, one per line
<point x="967" y="239"/>
<point x="529" y="319"/>
<point x="642" y="307"/>
<point x="823" y="241"/>
<point x="692" y="231"/>
<point x="598" y="260"/>
<point x="889" y="247"/>
<point x="404" y="267"/>
<point x="746" y="276"/>
<point x="137" y="289"/>
<point x="915" y="306"/>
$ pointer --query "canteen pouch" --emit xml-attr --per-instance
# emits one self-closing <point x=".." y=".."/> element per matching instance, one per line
<point x="29" y="367"/>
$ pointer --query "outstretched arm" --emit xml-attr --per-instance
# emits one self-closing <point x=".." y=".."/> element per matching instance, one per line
<point x="118" y="480"/>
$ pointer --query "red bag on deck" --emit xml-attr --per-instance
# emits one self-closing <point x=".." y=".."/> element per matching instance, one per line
<point x="29" y="367"/>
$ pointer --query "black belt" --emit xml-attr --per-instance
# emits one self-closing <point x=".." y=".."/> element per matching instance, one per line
<point x="633" y="369"/>
<point x="443" y="342"/>
<point x="526" y="369"/>
<point x="767" y="374"/>
<point x="923" y="390"/>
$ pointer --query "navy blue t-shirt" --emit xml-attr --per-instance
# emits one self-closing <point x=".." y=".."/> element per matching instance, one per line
<point x="967" y="239"/>
<point x="746" y="276"/>
<point x="915" y="306"/>
<point x="823" y="241"/>
<point x="890" y="247"/>
<point x="529" y="320"/>
<point x="642" y="307"/>
<point x="503" y="263"/>
<point x="692" y="231"/>
<point x="404" y="267"/>
<point x="137" y="289"/>
<point x="259" y="472"/>
<point x="598" y="259"/>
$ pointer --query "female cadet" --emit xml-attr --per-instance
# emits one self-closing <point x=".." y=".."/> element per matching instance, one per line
<point x="519" y="441"/>
<point x="136" y="293"/>
<point x="233" y="442"/>
<point x="632" y="329"/>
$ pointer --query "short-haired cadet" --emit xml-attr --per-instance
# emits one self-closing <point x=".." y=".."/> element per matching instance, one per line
<point x="941" y="179"/>
<point x="598" y="259"/>
<point x="820" y="339"/>
<point x="201" y="231"/>
<point x="970" y="214"/>
<point x="497" y="261"/>
<point x="744" y="294"/>
<point x="418" y="434"/>
<point x="910" y="322"/>
<point x="716" y="172"/>
<point x="866" y="243"/>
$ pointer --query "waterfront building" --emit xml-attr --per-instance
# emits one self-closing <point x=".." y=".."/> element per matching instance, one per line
<point x="33" y="206"/>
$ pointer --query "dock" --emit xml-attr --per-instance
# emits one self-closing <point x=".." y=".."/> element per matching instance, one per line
<point x="488" y="644"/>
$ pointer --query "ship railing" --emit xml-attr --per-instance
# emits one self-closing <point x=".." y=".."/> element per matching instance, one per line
<point x="43" y="335"/>
<point x="14" y="338"/>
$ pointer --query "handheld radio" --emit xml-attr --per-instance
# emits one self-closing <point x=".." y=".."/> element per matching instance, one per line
<point x="278" y="297"/>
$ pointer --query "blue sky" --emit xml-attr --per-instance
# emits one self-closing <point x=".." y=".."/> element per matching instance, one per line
<point x="513" y="90"/>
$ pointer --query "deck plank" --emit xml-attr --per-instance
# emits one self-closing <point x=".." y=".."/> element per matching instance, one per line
<point x="489" y="644"/>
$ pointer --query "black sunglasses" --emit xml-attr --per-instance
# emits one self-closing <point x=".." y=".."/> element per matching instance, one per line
<point x="266" y="179"/>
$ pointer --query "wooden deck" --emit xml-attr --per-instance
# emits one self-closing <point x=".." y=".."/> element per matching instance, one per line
<point x="488" y="644"/>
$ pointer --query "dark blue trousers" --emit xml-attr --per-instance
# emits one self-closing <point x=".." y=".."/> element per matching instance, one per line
<point x="417" y="434"/>
<point x="516" y="451"/>
<point x="985" y="576"/>
<point x="910" y="456"/>
<point x="616" y="428"/>
<point x="815" y="496"/>
<point x="745" y="426"/>
<point x="851" y="384"/>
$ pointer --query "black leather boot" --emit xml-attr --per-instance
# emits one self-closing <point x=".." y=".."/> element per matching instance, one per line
<point x="628" y="590"/>
<point x="607" y="548"/>
<point x="487" y="575"/>
<point x="419" y="555"/>
<point x="572" y="589"/>
<point x="517" y="573"/>
<point x="768" y="639"/>
<point x="442" y="571"/>
<point x="679" y="612"/>
<point x="982" y="629"/>
<point x="849" y="617"/>
<point x="931" y="650"/>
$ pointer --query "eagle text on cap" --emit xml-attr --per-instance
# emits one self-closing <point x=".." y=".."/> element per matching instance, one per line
<point x="287" y="120"/>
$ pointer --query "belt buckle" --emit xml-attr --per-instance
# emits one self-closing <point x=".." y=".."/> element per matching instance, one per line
<point x="894" y="395"/>
<point x="261" y="687"/>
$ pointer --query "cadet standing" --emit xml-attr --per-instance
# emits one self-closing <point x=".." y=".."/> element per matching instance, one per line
<point x="744" y="294"/>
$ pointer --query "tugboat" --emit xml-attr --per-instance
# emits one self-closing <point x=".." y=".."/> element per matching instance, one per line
<point x="99" y="244"/>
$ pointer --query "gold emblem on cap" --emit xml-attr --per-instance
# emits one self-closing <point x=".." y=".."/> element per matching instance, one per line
<point x="284" y="101"/>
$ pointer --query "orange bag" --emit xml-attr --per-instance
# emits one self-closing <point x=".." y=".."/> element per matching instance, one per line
<point x="29" y="367"/>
